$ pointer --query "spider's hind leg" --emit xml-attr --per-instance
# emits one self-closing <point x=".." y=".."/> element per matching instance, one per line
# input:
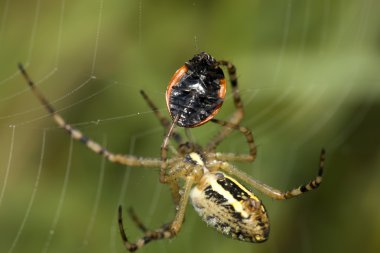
<point x="273" y="192"/>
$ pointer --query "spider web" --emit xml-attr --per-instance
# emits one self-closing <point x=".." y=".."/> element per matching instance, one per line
<point x="308" y="76"/>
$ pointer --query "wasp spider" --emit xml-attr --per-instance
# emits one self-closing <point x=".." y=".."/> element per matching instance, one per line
<point x="213" y="184"/>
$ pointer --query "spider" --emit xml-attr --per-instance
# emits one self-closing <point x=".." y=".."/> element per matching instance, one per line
<point x="201" y="174"/>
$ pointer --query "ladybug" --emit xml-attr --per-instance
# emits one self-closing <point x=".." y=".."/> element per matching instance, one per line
<point x="196" y="91"/>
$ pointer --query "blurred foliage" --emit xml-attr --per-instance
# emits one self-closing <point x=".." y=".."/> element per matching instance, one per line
<point x="309" y="78"/>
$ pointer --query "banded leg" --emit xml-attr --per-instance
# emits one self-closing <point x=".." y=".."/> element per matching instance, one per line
<point x="163" y="120"/>
<point x="175" y="189"/>
<point x="128" y="160"/>
<point x="275" y="193"/>
<point x="135" y="219"/>
<point x="237" y="116"/>
<point x="235" y="90"/>
<point x="250" y="141"/>
<point x="166" y="231"/>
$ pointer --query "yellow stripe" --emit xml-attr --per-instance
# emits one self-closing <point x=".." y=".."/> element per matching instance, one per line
<point x="251" y="195"/>
<point x="237" y="205"/>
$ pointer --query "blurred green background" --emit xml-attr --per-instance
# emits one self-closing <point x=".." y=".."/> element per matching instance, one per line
<point x="309" y="77"/>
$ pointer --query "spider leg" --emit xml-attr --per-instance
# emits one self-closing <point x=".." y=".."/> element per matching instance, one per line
<point x="173" y="184"/>
<point x="273" y="192"/>
<point x="136" y="220"/>
<point x="250" y="141"/>
<point x="237" y="116"/>
<point x="174" y="189"/>
<point x="163" y="120"/>
<point x="128" y="160"/>
<point x="164" y="151"/>
<point x="166" y="231"/>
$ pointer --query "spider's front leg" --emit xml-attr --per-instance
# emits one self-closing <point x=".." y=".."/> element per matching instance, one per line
<point x="233" y="123"/>
<point x="249" y="138"/>
<point x="128" y="160"/>
<point x="166" y="231"/>
<point x="238" y="115"/>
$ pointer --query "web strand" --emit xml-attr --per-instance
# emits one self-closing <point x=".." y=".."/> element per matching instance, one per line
<point x="32" y="197"/>
<point x="61" y="201"/>
<point x="8" y="168"/>
<point x="99" y="190"/>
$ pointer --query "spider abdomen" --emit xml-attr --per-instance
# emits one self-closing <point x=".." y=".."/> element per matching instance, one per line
<point x="230" y="208"/>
